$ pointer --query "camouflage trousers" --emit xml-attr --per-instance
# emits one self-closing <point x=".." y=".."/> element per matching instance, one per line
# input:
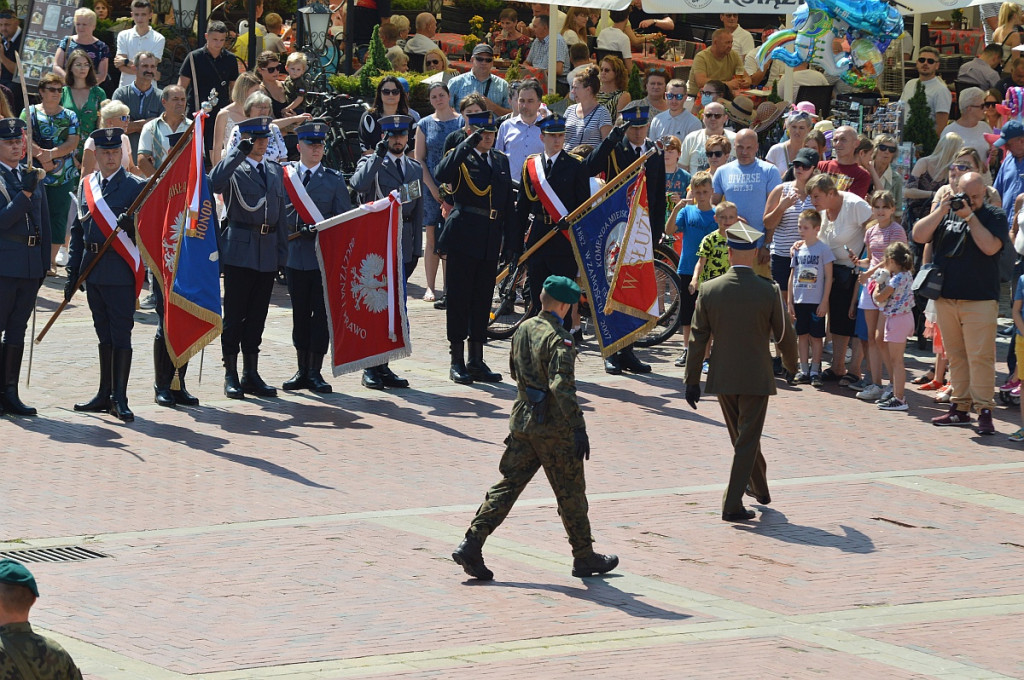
<point x="522" y="458"/>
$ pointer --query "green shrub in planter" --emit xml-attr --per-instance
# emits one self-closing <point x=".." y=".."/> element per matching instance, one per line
<point x="409" y="5"/>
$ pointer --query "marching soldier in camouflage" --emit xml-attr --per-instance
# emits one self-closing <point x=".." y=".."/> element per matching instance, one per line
<point x="23" y="653"/>
<point x="547" y="430"/>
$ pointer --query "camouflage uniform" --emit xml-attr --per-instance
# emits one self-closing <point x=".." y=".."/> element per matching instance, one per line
<point x="45" y="657"/>
<point x="542" y="357"/>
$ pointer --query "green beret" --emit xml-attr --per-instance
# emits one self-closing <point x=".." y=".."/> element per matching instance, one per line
<point x="16" y="574"/>
<point x="562" y="289"/>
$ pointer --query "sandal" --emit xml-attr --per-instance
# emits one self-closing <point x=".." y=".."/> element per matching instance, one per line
<point x="428" y="296"/>
<point x="924" y="379"/>
<point x="931" y="385"/>
<point x="828" y="375"/>
<point x="848" y="379"/>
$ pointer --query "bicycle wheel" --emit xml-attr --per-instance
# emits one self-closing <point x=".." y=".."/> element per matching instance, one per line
<point x="511" y="305"/>
<point x="665" y="253"/>
<point x="670" y="292"/>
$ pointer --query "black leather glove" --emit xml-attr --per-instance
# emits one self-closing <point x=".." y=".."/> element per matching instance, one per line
<point x="693" y="395"/>
<point x="582" y="442"/>
<point x="382" y="148"/>
<point x="562" y="225"/>
<point x="619" y="132"/>
<point x="245" y="146"/>
<point x="474" y="139"/>
<point x="29" y="180"/>
<point x="126" y="224"/>
<point x="69" y="287"/>
<point x="309" y="230"/>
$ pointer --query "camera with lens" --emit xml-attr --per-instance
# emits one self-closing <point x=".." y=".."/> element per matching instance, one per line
<point x="958" y="201"/>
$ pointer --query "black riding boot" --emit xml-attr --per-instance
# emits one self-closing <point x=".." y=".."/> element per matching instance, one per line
<point x="478" y="370"/>
<point x="101" y="402"/>
<point x="9" y="398"/>
<point x="315" y="379"/>
<point x="163" y="369"/>
<point x="122" y="366"/>
<point x="181" y="395"/>
<point x="252" y="383"/>
<point x="458" y="371"/>
<point x="232" y="388"/>
<point x="300" y="380"/>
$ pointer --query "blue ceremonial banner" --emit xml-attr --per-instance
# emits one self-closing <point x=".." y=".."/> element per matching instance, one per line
<point x="597" y="234"/>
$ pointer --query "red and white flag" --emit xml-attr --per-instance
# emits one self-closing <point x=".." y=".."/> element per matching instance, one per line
<point x="360" y="254"/>
<point x="106" y="220"/>
<point x="634" y="289"/>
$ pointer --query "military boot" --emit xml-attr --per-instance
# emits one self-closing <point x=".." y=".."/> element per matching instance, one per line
<point x="458" y="371"/>
<point x="163" y="370"/>
<point x="629" y="361"/>
<point x="316" y="380"/>
<point x="252" y="383"/>
<point x="181" y="395"/>
<point x="300" y="380"/>
<point x="389" y="378"/>
<point x="372" y="378"/>
<point x="596" y="563"/>
<point x="469" y="555"/>
<point x="478" y="370"/>
<point x="122" y="368"/>
<point x="9" y="399"/>
<point x="101" y="402"/>
<point x="232" y="388"/>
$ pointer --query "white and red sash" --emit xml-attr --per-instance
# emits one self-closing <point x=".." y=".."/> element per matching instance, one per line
<point x="105" y="219"/>
<point x="304" y="205"/>
<point x="548" y="198"/>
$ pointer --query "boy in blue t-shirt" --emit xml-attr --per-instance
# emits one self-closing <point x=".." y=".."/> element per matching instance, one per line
<point x="693" y="223"/>
<point x="810" y="283"/>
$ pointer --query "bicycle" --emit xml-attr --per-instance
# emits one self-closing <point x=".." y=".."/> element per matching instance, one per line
<point x="342" y="114"/>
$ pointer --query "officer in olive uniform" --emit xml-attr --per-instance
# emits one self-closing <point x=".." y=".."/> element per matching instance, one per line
<point x="742" y="311"/>
<point x="328" y="191"/>
<point x="482" y="219"/>
<point x="377" y="175"/>
<point x="620" y="155"/>
<point x="110" y="286"/>
<point x="24" y="653"/>
<point x="253" y="246"/>
<point x="24" y="257"/>
<point x="547" y="430"/>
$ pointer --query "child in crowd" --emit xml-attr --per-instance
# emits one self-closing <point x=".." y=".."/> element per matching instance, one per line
<point x="810" y="282"/>
<point x="693" y="223"/>
<point x="893" y="293"/>
<point x="1018" y="346"/>
<point x="295" y="84"/>
<point x="713" y="253"/>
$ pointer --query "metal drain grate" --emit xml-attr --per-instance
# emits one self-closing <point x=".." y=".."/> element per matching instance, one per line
<point x="69" y="553"/>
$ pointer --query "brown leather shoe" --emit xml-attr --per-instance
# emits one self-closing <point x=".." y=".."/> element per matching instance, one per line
<point x="763" y="500"/>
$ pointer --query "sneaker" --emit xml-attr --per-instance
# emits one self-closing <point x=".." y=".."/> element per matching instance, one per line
<point x="1009" y="385"/>
<point x="985" y="425"/>
<point x="861" y="384"/>
<point x="893" y="404"/>
<point x="887" y="394"/>
<point x="1017" y="436"/>
<point x="704" y="367"/>
<point x="802" y="378"/>
<point x="870" y="393"/>
<point x="1015" y="392"/>
<point x="953" y="417"/>
<point x="681" y="361"/>
<point x="816" y="380"/>
<point x="63" y="257"/>
<point x="148" y="302"/>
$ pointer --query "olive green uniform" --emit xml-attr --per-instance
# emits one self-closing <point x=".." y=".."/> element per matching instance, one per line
<point x="44" y="657"/>
<point x="543" y="359"/>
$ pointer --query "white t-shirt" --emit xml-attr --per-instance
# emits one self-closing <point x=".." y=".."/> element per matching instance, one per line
<point x="807" y="77"/>
<point x="847" y="230"/>
<point x="939" y="98"/>
<point x="613" y="38"/>
<point x="130" y="43"/>
<point x="681" y="125"/>
<point x="742" y="41"/>
<point x="571" y="37"/>
<point x="419" y="44"/>
<point x="973" y="137"/>
<point x="693" y="157"/>
<point x="777" y="156"/>
<point x="750" y="65"/>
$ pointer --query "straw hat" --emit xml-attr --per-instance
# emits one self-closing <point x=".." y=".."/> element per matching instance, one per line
<point x="740" y="110"/>
<point x="766" y="114"/>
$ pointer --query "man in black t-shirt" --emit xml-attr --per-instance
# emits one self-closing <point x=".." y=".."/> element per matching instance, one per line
<point x="966" y="243"/>
<point x="10" y="36"/>
<point x="214" y="68"/>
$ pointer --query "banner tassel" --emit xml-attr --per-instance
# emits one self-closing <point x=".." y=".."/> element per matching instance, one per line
<point x="175" y="381"/>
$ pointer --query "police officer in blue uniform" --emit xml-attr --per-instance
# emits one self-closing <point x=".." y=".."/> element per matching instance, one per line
<point x="24" y="258"/>
<point x="378" y="174"/>
<point x="327" y="188"/>
<point x="482" y="220"/>
<point x="253" y="246"/>
<point x="110" y="286"/>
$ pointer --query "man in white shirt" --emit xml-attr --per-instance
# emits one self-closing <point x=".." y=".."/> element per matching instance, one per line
<point x="742" y="41"/>
<point x="538" y="57"/>
<point x="519" y="136"/>
<point x="614" y="37"/>
<point x="676" y="120"/>
<point x="805" y="75"/>
<point x="971" y="125"/>
<point x="139" y="38"/>
<point x="426" y="29"/>
<point x="935" y="89"/>
<point x="160" y="134"/>
<point x="693" y="156"/>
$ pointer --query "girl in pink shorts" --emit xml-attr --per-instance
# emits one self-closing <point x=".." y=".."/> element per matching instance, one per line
<point x="896" y="300"/>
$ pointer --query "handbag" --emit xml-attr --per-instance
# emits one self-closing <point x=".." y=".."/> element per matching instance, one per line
<point x="928" y="282"/>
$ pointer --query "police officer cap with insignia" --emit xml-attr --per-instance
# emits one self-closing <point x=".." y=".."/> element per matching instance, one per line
<point x="11" y="128"/>
<point x="484" y="121"/>
<point x="395" y="126"/>
<point x="636" y="114"/>
<point x="311" y="133"/>
<point x="553" y="124"/>
<point x="107" y="138"/>
<point x="256" y="128"/>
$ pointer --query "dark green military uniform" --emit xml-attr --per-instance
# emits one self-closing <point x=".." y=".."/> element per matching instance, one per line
<point x="44" y="657"/>
<point x="542" y="359"/>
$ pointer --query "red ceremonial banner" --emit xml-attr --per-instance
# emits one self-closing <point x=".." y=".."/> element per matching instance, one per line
<point x="361" y="264"/>
<point x="634" y="289"/>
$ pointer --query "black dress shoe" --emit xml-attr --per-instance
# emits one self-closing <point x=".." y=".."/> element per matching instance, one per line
<point x="469" y="555"/>
<point x="741" y="516"/>
<point x="595" y="564"/>
<point x="763" y="500"/>
<point x="371" y="378"/>
<point x="629" y="362"/>
<point x="388" y="377"/>
<point x="611" y="365"/>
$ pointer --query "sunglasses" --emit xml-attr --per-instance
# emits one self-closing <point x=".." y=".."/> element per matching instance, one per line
<point x="273" y="69"/>
<point x="886" y="147"/>
<point x="714" y="116"/>
<point x="710" y="93"/>
<point x="962" y="167"/>
<point x="433" y="62"/>
<point x="391" y="92"/>
<point x="678" y="97"/>
<point x="486" y="60"/>
<point x="50" y="89"/>
<point x="926" y="60"/>
<point x="991" y="105"/>
<point x="801" y="166"/>
<point x="715" y="154"/>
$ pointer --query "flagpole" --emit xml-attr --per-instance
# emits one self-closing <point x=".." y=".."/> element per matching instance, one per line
<point x="143" y="195"/>
<point x="586" y="205"/>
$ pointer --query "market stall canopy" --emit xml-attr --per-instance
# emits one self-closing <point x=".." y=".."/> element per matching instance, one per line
<point x="778" y="6"/>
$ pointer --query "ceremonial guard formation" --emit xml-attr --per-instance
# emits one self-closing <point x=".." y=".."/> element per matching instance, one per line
<point x="315" y="193"/>
<point x="377" y="175"/>
<point x="482" y="220"/>
<point x="547" y="430"/>
<point x="253" y="246"/>
<point x="115" y="279"/>
<point x="24" y="257"/>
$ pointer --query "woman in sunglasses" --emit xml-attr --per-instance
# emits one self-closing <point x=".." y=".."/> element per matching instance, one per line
<point x="883" y="175"/>
<point x="113" y="114"/>
<point x="928" y="176"/>
<point x="435" y="62"/>
<point x="798" y="124"/>
<point x="268" y="67"/>
<point x="971" y="125"/>
<point x="612" y="94"/>
<point x="390" y="100"/>
<point x="992" y="116"/>
<point x="82" y="95"/>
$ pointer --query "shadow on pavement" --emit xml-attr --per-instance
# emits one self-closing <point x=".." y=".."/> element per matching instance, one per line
<point x="270" y="468"/>
<point x="658" y="405"/>
<point x="773" y="524"/>
<point x="600" y="591"/>
<point x="72" y="432"/>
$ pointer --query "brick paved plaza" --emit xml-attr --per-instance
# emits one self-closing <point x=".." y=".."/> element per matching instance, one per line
<point x="306" y="537"/>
